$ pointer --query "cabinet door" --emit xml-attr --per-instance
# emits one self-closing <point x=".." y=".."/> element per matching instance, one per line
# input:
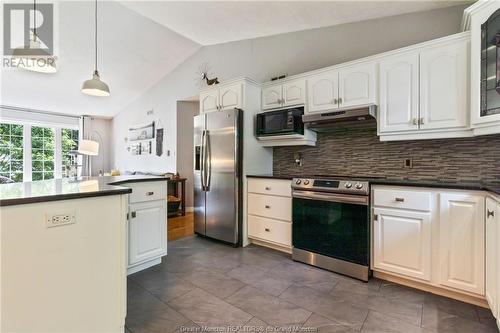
<point x="231" y="97"/>
<point x="294" y="93"/>
<point x="461" y="241"/>
<point x="444" y="82"/>
<point x="357" y="85"/>
<point x="402" y="242"/>
<point x="271" y="97"/>
<point x="323" y="91"/>
<point x="399" y="94"/>
<point x="209" y="101"/>
<point x="492" y="257"/>
<point x="147" y="232"/>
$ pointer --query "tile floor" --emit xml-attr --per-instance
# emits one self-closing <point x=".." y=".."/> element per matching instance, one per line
<point x="206" y="286"/>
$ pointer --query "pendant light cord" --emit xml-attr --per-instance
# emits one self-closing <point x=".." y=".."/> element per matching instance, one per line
<point x="95" y="36"/>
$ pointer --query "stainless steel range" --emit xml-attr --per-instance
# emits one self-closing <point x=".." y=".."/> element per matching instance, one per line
<point x="331" y="224"/>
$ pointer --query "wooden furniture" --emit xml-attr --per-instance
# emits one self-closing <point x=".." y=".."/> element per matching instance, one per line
<point x="270" y="213"/>
<point x="176" y="184"/>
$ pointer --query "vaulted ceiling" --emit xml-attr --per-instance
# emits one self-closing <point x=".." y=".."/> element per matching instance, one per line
<point x="142" y="41"/>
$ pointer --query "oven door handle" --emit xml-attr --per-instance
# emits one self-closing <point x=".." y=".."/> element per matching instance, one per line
<point x="350" y="199"/>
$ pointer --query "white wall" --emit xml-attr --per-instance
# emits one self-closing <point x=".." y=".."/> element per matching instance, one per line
<point x="263" y="58"/>
<point x="101" y="132"/>
<point x="185" y="113"/>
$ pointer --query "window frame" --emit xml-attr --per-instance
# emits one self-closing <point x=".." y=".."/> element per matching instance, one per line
<point x="27" y="159"/>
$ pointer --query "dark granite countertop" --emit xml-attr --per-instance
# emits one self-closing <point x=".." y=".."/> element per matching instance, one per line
<point x="493" y="187"/>
<point x="65" y="189"/>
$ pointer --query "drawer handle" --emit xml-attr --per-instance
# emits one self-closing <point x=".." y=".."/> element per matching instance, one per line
<point x="150" y="193"/>
<point x="399" y="199"/>
<point x="267" y="229"/>
<point x="268" y="188"/>
<point x="490" y="213"/>
<point x="267" y="206"/>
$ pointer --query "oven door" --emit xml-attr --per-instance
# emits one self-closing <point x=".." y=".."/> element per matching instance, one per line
<point x="334" y="225"/>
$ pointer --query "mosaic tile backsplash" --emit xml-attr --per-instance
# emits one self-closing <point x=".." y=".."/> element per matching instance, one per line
<point x="358" y="152"/>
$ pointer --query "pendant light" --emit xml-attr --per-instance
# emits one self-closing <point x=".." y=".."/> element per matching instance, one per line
<point x="95" y="86"/>
<point x="42" y="63"/>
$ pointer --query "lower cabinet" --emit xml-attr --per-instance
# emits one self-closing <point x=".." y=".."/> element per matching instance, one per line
<point x="461" y="241"/>
<point x="492" y="287"/>
<point x="402" y="242"/>
<point x="432" y="236"/>
<point x="147" y="232"/>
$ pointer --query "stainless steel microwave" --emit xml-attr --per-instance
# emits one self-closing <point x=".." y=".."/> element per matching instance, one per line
<point x="280" y="122"/>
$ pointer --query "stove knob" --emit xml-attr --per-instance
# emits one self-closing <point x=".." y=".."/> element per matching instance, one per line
<point x="306" y="182"/>
<point x="348" y="185"/>
<point x="359" y="186"/>
<point x="298" y="181"/>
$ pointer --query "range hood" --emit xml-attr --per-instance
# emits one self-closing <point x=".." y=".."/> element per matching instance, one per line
<point x="341" y="118"/>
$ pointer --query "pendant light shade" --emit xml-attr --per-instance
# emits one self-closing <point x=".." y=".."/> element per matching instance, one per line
<point x="41" y="63"/>
<point x="94" y="86"/>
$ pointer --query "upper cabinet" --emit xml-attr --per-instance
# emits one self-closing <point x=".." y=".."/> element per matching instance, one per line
<point x="399" y="93"/>
<point x="284" y="94"/>
<point x="357" y="85"/>
<point x="221" y="97"/>
<point x="423" y="91"/>
<point x="483" y="19"/>
<point x="347" y="87"/>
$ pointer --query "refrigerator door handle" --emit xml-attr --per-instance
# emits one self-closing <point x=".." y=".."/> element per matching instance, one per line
<point x="209" y="161"/>
<point x="202" y="162"/>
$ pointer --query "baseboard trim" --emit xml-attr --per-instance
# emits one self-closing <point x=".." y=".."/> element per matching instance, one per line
<point x="479" y="301"/>
<point x="271" y="245"/>
<point x="143" y="266"/>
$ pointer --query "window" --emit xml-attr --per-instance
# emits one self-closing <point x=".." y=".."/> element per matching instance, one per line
<point x="29" y="152"/>
<point x="42" y="153"/>
<point x="69" y="141"/>
<point x="11" y="151"/>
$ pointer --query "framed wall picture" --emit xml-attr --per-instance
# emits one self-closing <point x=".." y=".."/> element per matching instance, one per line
<point x="142" y="132"/>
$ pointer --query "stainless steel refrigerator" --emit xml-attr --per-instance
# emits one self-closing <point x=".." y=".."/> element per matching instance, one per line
<point x="217" y="175"/>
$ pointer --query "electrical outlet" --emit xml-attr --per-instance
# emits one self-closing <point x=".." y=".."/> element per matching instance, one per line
<point x="59" y="219"/>
<point x="408" y="163"/>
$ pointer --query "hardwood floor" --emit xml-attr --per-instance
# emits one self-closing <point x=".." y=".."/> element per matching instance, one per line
<point x="180" y="226"/>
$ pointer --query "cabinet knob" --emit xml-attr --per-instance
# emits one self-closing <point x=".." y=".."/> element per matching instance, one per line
<point x="340" y="100"/>
<point x="335" y="101"/>
<point x="375" y="218"/>
<point x="490" y="213"/>
<point x="268" y="188"/>
<point x="399" y="199"/>
<point x="415" y="121"/>
<point x="267" y="206"/>
<point x="421" y="121"/>
<point x="150" y="193"/>
<point x="267" y="229"/>
<point x="133" y="214"/>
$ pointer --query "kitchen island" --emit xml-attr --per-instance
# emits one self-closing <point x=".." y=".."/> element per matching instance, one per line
<point x="66" y="247"/>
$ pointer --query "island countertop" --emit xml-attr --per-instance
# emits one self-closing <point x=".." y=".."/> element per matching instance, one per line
<point x="65" y="189"/>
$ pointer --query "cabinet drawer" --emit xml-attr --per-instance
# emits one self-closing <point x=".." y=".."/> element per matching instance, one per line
<point x="270" y="206"/>
<point x="148" y="191"/>
<point x="402" y="198"/>
<point x="280" y="187"/>
<point x="270" y="230"/>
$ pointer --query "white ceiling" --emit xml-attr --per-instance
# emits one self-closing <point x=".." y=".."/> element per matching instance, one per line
<point x="142" y="41"/>
<point x="134" y="53"/>
<point x="214" y="22"/>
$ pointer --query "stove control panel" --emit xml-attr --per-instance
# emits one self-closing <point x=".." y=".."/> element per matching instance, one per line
<point x="331" y="185"/>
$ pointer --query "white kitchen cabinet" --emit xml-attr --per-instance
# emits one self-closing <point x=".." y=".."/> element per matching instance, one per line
<point x="209" y="101"/>
<point x="221" y="97"/>
<point x="444" y="84"/>
<point x="231" y="96"/>
<point x="357" y="85"/>
<point x="147" y="230"/>
<point x="272" y="97"/>
<point x="492" y="290"/>
<point x="284" y="94"/>
<point x="461" y="241"/>
<point x="294" y="92"/>
<point x="402" y="242"/>
<point x="399" y="93"/>
<point x="323" y="91"/>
